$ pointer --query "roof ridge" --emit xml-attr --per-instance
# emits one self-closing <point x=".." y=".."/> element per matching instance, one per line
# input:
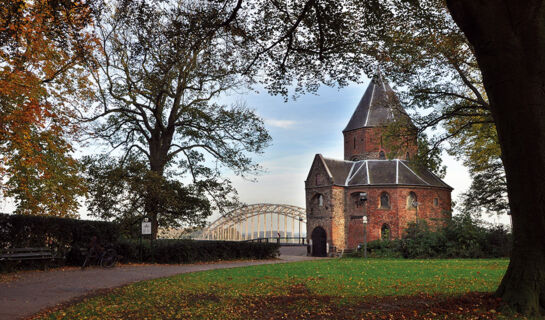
<point x="325" y="165"/>
<point x="353" y="175"/>
<point x="369" y="105"/>
<point x="416" y="175"/>
<point x="338" y="160"/>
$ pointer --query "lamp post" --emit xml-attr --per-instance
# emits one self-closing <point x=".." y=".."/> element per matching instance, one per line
<point x="363" y="200"/>
<point x="364" y="219"/>
<point x="300" y="220"/>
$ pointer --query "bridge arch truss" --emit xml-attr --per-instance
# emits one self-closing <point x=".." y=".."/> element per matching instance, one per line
<point x="261" y="220"/>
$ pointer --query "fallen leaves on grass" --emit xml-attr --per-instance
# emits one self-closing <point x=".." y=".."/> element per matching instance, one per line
<point x="334" y="289"/>
<point x="298" y="303"/>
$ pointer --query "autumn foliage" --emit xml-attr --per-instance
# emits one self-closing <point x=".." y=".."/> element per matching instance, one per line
<point x="43" y="45"/>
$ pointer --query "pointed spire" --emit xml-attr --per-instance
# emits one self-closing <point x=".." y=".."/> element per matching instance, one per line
<point x="378" y="106"/>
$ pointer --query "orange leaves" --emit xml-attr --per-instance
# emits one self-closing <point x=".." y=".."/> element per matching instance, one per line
<point x="41" y="43"/>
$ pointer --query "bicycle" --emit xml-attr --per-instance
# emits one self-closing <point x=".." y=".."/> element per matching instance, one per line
<point x="106" y="258"/>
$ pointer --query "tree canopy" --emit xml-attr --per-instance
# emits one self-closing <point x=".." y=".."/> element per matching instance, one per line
<point x="159" y="75"/>
<point x="42" y="45"/>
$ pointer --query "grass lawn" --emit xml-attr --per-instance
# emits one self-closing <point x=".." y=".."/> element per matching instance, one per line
<point x="323" y="289"/>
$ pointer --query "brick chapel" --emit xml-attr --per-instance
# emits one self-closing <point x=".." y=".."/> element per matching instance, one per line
<point x="375" y="179"/>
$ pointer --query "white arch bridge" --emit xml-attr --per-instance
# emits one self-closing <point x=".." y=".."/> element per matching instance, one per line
<point x="260" y="222"/>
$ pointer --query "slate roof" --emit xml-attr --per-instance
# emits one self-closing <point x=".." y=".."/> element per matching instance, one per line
<point x="379" y="172"/>
<point x="378" y="106"/>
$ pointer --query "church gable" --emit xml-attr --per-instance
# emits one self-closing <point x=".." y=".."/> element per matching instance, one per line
<point x="319" y="175"/>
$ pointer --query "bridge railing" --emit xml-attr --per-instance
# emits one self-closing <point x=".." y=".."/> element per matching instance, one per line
<point x="296" y="241"/>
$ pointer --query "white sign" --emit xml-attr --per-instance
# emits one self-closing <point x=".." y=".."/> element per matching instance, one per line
<point x="146" y="227"/>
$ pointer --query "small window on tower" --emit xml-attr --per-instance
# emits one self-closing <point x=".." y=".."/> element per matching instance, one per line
<point x="354" y="142"/>
<point x="382" y="155"/>
<point x="435" y="202"/>
<point x="407" y="157"/>
<point x="384" y="200"/>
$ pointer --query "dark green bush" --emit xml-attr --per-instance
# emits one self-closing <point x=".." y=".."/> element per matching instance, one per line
<point x="461" y="237"/>
<point x="19" y="231"/>
<point x="67" y="236"/>
<point x="384" y="249"/>
<point x="188" y="251"/>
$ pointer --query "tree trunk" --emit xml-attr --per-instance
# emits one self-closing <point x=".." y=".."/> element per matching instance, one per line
<point x="159" y="146"/>
<point x="509" y="42"/>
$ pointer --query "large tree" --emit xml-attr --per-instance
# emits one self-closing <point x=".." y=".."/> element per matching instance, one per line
<point x="161" y="71"/>
<point x="41" y="45"/>
<point x="508" y="40"/>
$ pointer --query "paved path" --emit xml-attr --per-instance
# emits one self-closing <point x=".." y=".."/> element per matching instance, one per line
<point x="39" y="290"/>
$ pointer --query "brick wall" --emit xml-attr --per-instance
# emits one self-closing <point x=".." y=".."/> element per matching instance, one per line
<point x="338" y="221"/>
<point x="397" y="216"/>
<point x="366" y="143"/>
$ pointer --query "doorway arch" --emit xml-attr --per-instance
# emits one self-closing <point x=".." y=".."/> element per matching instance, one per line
<point x="319" y="240"/>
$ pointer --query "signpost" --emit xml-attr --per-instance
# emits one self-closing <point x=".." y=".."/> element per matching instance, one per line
<point x="146" y="230"/>
<point x="146" y="227"/>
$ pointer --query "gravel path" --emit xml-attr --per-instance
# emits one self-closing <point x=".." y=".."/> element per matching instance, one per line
<point x="36" y="291"/>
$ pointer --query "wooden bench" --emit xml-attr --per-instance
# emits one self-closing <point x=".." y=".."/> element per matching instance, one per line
<point x="347" y="251"/>
<point x="25" y="254"/>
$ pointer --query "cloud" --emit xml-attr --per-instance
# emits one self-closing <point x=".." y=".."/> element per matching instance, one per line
<point x="284" y="124"/>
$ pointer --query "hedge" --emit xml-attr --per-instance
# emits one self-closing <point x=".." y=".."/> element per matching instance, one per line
<point x="189" y="251"/>
<point x="19" y="231"/>
<point x="67" y="236"/>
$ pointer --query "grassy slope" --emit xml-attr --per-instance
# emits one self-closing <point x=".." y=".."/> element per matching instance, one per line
<point x="296" y="290"/>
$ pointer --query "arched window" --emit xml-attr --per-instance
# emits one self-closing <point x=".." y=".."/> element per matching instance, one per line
<point x="385" y="232"/>
<point x="382" y="155"/>
<point x="407" y="157"/>
<point x="435" y="202"/>
<point x="384" y="200"/>
<point x="412" y="201"/>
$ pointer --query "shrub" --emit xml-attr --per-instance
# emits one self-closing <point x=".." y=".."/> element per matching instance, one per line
<point x="461" y="237"/>
<point x="188" y="251"/>
<point x="57" y="233"/>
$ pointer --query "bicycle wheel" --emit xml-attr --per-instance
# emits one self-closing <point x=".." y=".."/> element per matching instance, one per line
<point x="109" y="259"/>
<point x="85" y="262"/>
